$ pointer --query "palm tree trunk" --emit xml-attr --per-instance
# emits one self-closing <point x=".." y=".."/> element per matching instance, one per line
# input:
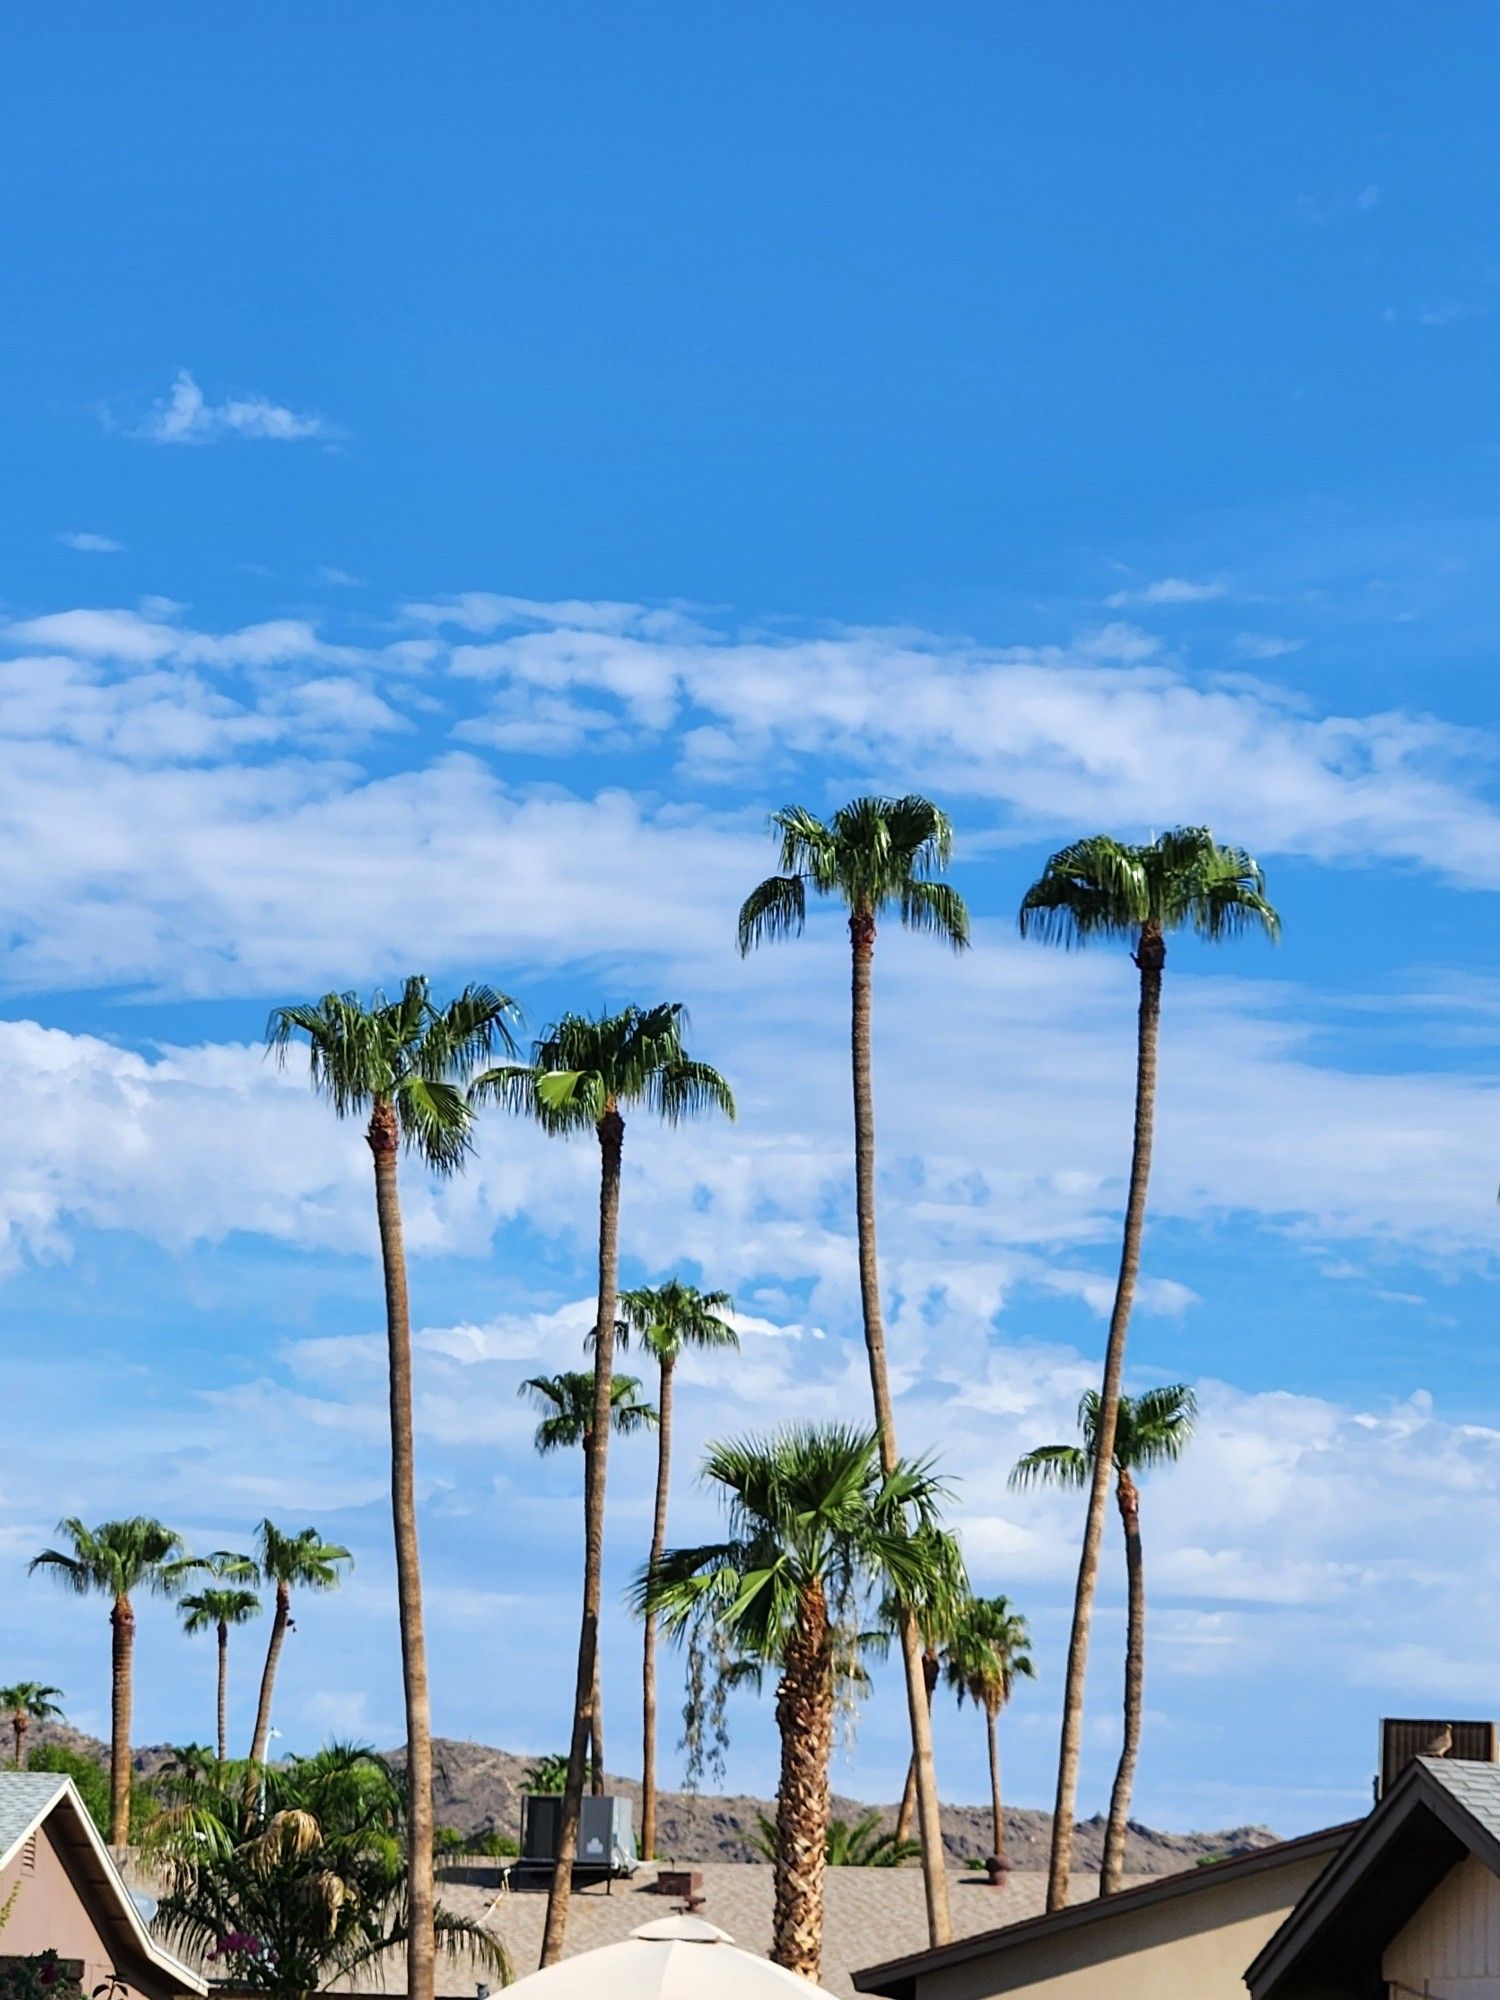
<point x="223" y="1692"/>
<point x="934" y="1871"/>
<point x="804" y="1716"/>
<point x="991" y="1723"/>
<point x="1112" y="1873"/>
<point x="20" y="1722"/>
<point x="596" y="1736"/>
<point x="931" y="1666"/>
<point x="1151" y="955"/>
<point x="122" y="1647"/>
<point x="648" y="1648"/>
<point x="421" y="1947"/>
<point x="281" y="1617"/>
<point x="611" y="1145"/>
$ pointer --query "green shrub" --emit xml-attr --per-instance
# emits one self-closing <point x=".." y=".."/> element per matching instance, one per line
<point x="91" y="1779"/>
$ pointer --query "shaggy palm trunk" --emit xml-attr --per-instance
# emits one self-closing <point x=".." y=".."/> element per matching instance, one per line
<point x="648" y="1644"/>
<point x="223" y="1708"/>
<point x="611" y="1131"/>
<point x="122" y="1648"/>
<point x="1112" y="1873"/>
<point x="281" y="1617"/>
<point x="931" y="1667"/>
<point x="804" y="1716"/>
<point x="421" y="1947"/>
<point x="992" y="1731"/>
<point x="20" y="1722"/>
<point x="1150" y="957"/>
<point x="935" y="1877"/>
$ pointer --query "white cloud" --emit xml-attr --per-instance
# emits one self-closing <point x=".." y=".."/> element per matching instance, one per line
<point x="1169" y="590"/>
<point x="186" y="416"/>
<point x="338" y="579"/>
<point x="89" y="544"/>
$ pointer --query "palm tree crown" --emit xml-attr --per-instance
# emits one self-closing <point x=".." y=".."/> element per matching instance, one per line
<point x="33" y="1699"/>
<point x="300" y="1561"/>
<point x="118" y="1558"/>
<point x="809" y="1509"/>
<point x="1150" y="1429"/>
<point x="567" y="1405"/>
<point x="875" y="853"/>
<point x="1105" y="888"/>
<point x="987" y="1652"/>
<point x="407" y="1053"/>
<point x="668" y="1319"/>
<point x="585" y="1067"/>
<point x="222" y="1604"/>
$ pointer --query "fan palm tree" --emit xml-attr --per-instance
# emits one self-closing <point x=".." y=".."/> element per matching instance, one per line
<point x="227" y="1601"/>
<point x="1153" y="1429"/>
<point x="288" y="1561"/>
<point x="986" y="1653"/>
<point x="667" y="1320"/>
<point x="585" y="1073"/>
<point x="850" y="1843"/>
<point x="28" y="1702"/>
<point x="118" y="1560"/>
<point x="1104" y="889"/>
<point x="815" y="1527"/>
<point x="299" y="1877"/>
<point x="402" y="1065"/>
<point x="875" y="855"/>
<point x="566" y="1402"/>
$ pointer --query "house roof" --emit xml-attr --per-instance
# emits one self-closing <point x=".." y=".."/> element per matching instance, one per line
<point x="30" y="1798"/>
<point x="1438" y="1811"/>
<point x="897" y="1979"/>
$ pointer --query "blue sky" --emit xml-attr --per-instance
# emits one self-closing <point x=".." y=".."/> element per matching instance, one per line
<point x="460" y="474"/>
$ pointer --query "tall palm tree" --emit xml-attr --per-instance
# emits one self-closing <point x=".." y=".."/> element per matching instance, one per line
<point x="288" y="1561"/>
<point x="118" y="1560"/>
<point x="815" y="1527"/>
<point x="986" y="1653"/>
<point x="1152" y="1429"/>
<point x="566" y="1402"/>
<point x="28" y="1702"/>
<point x="585" y="1073"/>
<point x="667" y="1320"/>
<point x="228" y="1600"/>
<point x="875" y="855"/>
<point x="1100" y="888"/>
<point x="402" y="1065"/>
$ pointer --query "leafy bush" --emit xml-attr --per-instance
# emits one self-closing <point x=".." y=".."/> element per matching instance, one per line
<point x="547" y="1774"/>
<point x="91" y="1779"/>
<point x="43" y="1977"/>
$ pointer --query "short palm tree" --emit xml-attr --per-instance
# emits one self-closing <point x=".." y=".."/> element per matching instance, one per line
<point x="937" y="1613"/>
<point x="566" y="1402"/>
<point x="297" y="1878"/>
<point x="850" y="1844"/>
<point x="986" y="1653"/>
<point x="875" y="855"/>
<point x="667" y="1320"/>
<point x="28" y="1702"/>
<point x="585" y="1073"/>
<point x="228" y="1600"/>
<point x="119" y="1560"/>
<point x="403" y="1065"/>
<point x="1152" y="1429"/>
<point x="288" y="1560"/>
<point x="1104" y="889"/>
<point x="815" y="1529"/>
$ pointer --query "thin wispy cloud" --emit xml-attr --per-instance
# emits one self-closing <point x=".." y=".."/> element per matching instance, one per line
<point x="1169" y="590"/>
<point x="88" y="544"/>
<point x="186" y="416"/>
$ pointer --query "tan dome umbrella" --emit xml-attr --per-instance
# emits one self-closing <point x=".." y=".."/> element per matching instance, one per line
<point x="678" y="1958"/>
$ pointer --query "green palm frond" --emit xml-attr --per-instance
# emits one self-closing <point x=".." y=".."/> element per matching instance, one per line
<point x="566" y="1402"/>
<point x="1154" y="1428"/>
<point x="206" y="1609"/>
<point x="874" y="855"/>
<point x="584" y="1066"/>
<point x="32" y="1699"/>
<point x="1052" y="1465"/>
<point x="118" y="1558"/>
<point x="987" y="1653"/>
<point x="301" y="1560"/>
<point x="669" y="1319"/>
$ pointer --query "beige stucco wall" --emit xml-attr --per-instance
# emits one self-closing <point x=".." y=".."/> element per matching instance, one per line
<point x="49" y="1914"/>
<point x="1194" y="1945"/>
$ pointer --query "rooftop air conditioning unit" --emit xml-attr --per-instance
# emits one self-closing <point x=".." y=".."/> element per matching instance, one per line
<point x="1403" y="1738"/>
<point x="606" y="1835"/>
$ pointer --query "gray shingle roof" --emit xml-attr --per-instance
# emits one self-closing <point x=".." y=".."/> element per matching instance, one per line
<point x="1475" y="1786"/>
<point x="26" y="1797"/>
